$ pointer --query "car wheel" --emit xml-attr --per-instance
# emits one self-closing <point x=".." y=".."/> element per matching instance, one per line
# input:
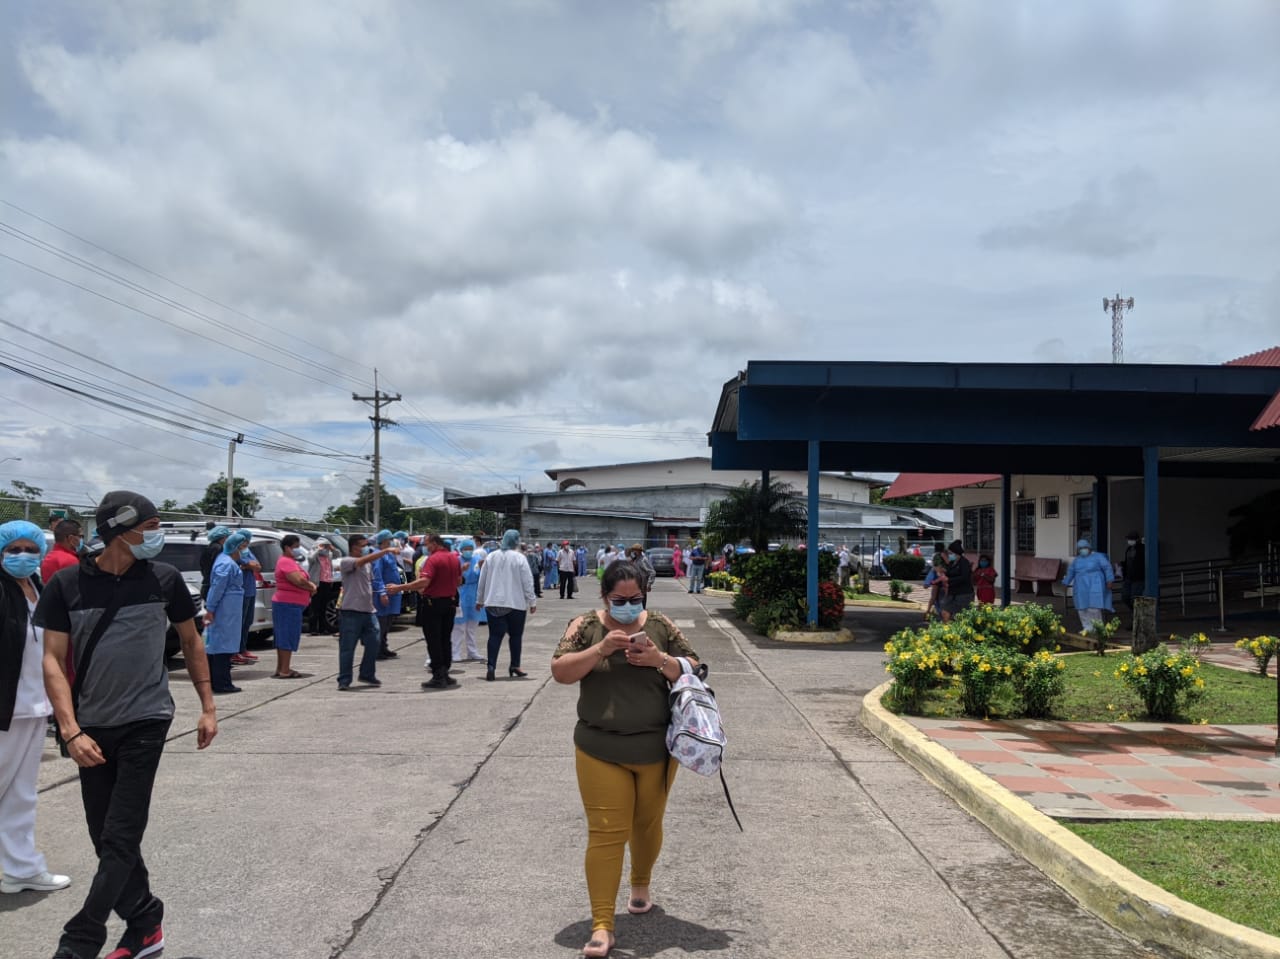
<point x="332" y="615"/>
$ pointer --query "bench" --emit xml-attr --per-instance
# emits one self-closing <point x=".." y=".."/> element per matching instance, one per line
<point x="1036" y="574"/>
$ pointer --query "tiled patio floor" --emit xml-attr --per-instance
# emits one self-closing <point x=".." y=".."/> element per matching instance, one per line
<point x="1122" y="770"/>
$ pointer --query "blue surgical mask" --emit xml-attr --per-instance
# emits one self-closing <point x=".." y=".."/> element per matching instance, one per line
<point x="149" y="548"/>
<point x="1084" y="552"/>
<point x="467" y="553"/>
<point x="21" y="565"/>
<point x="367" y="550"/>
<point x="625" y="612"/>
<point x="983" y="563"/>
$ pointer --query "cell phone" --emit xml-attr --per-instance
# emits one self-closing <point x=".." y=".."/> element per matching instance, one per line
<point x="634" y="636"/>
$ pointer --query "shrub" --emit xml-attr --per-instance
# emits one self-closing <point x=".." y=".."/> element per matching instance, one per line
<point x="1039" y="682"/>
<point x="898" y="589"/>
<point x="1160" y="677"/>
<point x="1261" y="648"/>
<point x="917" y="664"/>
<point x="777" y="614"/>
<point x="767" y="577"/>
<point x="722" y="580"/>
<point x="982" y="669"/>
<point x="904" y="566"/>
<point x="1102" y="631"/>
<point x="830" y="605"/>
<point x="1028" y="628"/>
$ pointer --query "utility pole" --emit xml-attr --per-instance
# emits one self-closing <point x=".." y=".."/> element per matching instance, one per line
<point x="1116" y="308"/>
<point x="379" y="399"/>
<point x="231" y="472"/>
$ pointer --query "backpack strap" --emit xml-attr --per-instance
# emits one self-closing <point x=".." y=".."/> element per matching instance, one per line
<point x="729" y="800"/>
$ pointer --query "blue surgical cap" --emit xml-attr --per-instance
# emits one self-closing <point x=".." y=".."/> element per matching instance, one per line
<point x="217" y="533"/>
<point x="237" y="540"/>
<point x="1083" y="544"/>
<point x="466" y="544"/>
<point x="511" y="539"/>
<point x="21" y="529"/>
<point x="383" y="536"/>
<point x="402" y="535"/>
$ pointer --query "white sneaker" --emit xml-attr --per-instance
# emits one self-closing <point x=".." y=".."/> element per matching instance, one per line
<point x="45" y="882"/>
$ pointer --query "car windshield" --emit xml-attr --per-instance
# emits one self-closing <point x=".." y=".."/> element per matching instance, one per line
<point x="183" y="555"/>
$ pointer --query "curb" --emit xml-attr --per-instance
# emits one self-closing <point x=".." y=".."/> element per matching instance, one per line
<point x="1138" y="908"/>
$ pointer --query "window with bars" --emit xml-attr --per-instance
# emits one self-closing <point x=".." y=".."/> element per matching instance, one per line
<point x="1024" y="517"/>
<point x="978" y="529"/>
<point x="1081" y="518"/>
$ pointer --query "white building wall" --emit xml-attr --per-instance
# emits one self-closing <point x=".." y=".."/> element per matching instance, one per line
<point x="698" y="470"/>
<point x="1194" y="513"/>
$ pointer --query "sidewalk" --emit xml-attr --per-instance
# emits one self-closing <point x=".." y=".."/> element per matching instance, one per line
<point x="1122" y="770"/>
<point x="398" y="824"/>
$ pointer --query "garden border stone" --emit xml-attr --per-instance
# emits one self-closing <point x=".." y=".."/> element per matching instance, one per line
<point x="1128" y="902"/>
<point x="830" y="637"/>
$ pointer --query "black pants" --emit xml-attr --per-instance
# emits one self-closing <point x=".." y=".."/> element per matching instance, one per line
<point x="566" y="581"/>
<point x="117" y="802"/>
<point x="315" y="610"/>
<point x="436" y="615"/>
<point x="384" y="630"/>
<point x="220" y="672"/>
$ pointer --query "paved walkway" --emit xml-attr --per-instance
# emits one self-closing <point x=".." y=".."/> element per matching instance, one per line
<point x="399" y="824"/>
<point x="1123" y="770"/>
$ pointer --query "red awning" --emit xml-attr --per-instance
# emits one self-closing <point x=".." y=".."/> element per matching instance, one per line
<point x="911" y="484"/>
<point x="1270" y="416"/>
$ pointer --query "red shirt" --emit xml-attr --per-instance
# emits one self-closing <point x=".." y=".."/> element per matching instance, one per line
<point x="444" y="569"/>
<point x="57" y="558"/>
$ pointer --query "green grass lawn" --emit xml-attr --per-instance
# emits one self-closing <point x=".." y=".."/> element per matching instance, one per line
<point x="1228" y="868"/>
<point x="1095" y="695"/>
<point x="876" y="598"/>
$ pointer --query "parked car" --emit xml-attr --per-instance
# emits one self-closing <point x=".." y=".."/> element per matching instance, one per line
<point x="663" y="560"/>
<point x="182" y="549"/>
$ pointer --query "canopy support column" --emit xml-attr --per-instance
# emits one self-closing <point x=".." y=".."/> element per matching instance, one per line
<point x="1006" y="538"/>
<point x="811" y="576"/>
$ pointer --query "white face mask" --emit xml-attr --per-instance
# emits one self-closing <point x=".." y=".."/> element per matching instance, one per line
<point x="1132" y="542"/>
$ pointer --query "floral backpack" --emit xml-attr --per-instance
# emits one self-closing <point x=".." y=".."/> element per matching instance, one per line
<point x="695" y="736"/>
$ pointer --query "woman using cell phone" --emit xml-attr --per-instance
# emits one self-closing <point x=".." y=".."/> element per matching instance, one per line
<point x="623" y="658"/>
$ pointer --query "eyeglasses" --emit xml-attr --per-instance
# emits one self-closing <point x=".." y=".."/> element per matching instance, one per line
<point x="18" y="550"/>
<point x="627" y="600"/>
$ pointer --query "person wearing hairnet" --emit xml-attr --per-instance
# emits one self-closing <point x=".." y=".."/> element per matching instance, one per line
<point x="224" y="612"/>
<point x="386" y="572"/>
<point x="1090" y="577"/>
<point x="24" y="710"/>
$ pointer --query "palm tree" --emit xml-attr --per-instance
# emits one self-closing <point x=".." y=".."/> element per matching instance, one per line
<point x="758" y="515"/>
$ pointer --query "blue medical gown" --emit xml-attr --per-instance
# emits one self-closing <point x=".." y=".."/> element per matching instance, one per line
<point x="1091" y="577"/>
<point x="226" y="602"/>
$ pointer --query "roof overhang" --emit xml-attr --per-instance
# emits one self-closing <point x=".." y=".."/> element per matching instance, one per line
<point x="985" y="418"/>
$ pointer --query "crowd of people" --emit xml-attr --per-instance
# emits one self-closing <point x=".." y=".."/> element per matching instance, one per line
<point x="82" y="648"/>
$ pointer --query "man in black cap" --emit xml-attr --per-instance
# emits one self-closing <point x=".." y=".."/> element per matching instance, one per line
<point x="113" y="611"/>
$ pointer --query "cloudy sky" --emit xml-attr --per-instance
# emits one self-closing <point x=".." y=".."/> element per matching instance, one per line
<point x="557" y="226"/>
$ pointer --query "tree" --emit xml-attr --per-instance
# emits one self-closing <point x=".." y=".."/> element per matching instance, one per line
<point x="938" y="499"/>
<point x="244" y="501"/>
<point x="757" y="514"/>
<point x="360" y="512"/>
<point x="26" y="490"/>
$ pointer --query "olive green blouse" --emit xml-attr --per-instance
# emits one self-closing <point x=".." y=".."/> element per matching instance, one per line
<point x="623" y="710"/>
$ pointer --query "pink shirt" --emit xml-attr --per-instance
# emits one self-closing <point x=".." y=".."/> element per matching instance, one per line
<point x="286" y="592"/>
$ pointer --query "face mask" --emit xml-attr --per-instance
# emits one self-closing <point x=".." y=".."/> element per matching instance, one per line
<point x="299" y="553"/>
<point x="1085" y="552"/>
<point x="625" y="612"/>
<point x="1132" y="542"/>
<point x="367" y="550"/>
<point x="152" y="543"/>
<point x="983" y="563"/>
<point x="21" y="565"/>
<point x="467" y="554"/>
<point x="81" y="547"/>
<point x="952" y="556"/>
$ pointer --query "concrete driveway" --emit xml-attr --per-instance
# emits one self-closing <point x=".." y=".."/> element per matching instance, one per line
<point x="396" y="823"/>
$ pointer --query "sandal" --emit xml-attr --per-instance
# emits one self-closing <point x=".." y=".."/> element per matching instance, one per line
<point x="638" y="907"/>
<point x="292" y="674"/>
<point x="598" y="946"/>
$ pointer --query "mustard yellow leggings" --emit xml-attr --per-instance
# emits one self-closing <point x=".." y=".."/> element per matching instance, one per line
<point x="624" y="803"/>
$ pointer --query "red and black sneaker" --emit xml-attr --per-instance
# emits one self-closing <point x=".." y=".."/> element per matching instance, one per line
<point x="135" y="944"/>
